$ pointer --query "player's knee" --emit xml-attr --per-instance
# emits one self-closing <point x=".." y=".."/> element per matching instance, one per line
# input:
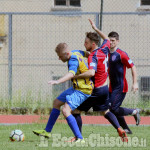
<point x="57" y="104"/>
<point x="104" y="112"/>
<point x="114" y="110"/>
<point x="64" y="111"/>
<point x="76" y="111"/>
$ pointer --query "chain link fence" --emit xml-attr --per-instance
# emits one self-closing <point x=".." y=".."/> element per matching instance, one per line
<point x="31" y="29"/>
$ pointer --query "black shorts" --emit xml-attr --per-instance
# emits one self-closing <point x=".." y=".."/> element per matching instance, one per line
<point x="99" y="100"/>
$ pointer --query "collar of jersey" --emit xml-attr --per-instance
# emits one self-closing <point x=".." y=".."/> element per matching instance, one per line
<point x="96" y="49"/>
<point x="113" y="51"/>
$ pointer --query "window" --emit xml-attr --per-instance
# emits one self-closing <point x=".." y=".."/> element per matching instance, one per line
<point x="144" y="5"/>
<point x="60" y="2"/>
<point x="74" y="3"/>
<point x="145" y="87"/>
<point x="66" y="5"/>
<point x="145" y="2"/>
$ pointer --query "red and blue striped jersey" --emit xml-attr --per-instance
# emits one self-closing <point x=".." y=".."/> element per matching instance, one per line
<point x="118" y="62"/>
<point x="97" y="60"/>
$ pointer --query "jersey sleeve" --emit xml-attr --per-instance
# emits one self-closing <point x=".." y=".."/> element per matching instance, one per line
<point x="73" y="65"/>
<point x="92" y="61"/>
<point x="105" y="46"/>
<point x="126" y="60"/>
<point x="106" y="43"/>
<point x="83" y="53"/>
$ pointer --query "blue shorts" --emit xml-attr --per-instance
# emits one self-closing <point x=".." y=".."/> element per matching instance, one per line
<point x="99" y="100"/>
<point x="116" y="98"/>
<point x="73" y="97"/>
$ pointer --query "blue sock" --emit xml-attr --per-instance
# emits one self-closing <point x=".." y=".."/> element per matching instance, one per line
<point x="112" y="119"/>
<point x="74" y="127"/>
<point x="121" y="111"/>
<point x="52" y="119"/>
<point x="79" y="121"/>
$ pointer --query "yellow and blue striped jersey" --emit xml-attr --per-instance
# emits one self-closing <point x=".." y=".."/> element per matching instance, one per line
<point x="77" y="64"/>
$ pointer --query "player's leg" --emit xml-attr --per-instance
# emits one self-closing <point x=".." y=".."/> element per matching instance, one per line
<point x="78" y="120"/>
<point x="101" y="99"/>
<point x="113" y="120"/>
<point x="71" y="121"/>
<point x="79" y="123"/>
<point x="122" y="111"/>
<point x="120" y="119"/>
<point x="116" y="99"/>
<point x="77" y="115"/>
<point x="73" y="101"/>
<point x="85" y="106"/>
<point x="103" y="106"/>
<point x="123" y="124"/>
<point x="54" y="114"/>
<point x="58" y="102"/>
<point x="51" y="121"/>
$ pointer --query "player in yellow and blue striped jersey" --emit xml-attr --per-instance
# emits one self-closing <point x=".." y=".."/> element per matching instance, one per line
<point x="72" y="97"/>
<point x="77" y="64"/>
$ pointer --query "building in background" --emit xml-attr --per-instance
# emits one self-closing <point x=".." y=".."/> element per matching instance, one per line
<point x="39" y="25"/>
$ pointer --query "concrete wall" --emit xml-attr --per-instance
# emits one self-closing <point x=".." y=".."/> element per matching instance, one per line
<point x="35" y="38"/>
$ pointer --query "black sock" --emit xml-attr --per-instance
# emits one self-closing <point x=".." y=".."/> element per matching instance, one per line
<point x="79" y="121"/>
<point x="112" y="119"/>
<point x="122" y="122"/>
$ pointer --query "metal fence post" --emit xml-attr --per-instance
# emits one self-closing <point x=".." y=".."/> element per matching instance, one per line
<point x="10" y="59"/>
<point x="101" y="17"/>
<point x="97" y="24"/>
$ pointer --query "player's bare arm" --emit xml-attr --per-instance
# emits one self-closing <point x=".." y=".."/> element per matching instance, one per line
<point x="65" y="78"/>
<point x="134" y="78"/>
<point x="101" y="34"/>
<point x="88" y="74"/>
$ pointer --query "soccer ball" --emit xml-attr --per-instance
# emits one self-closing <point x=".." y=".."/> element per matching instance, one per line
<point x="16" y="135"/>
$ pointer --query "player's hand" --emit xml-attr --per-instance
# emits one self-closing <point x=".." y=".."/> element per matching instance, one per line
<point x="135" y="87"/>
<point x="52" y="82"/>
<point x="75" y="77"/>
<point x="87" y="54"/>
<point x="92" y="24"/>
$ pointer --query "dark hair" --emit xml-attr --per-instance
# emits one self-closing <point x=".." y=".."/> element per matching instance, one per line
<point x="114" y="35"/>
<point x="93" y="36"/>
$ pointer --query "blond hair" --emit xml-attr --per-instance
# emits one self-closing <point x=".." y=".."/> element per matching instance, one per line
<point x="61" y="47"/>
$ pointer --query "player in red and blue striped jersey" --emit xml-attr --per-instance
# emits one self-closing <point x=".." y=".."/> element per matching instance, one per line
<point x="118" y="86"/>
<point x="118" y="62"/>
<point x="97" y="62"/>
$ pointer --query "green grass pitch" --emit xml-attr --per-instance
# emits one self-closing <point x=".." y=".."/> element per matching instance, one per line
<point x="94" y="134"/>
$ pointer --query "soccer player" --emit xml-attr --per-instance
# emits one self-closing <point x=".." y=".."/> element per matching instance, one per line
<point x="72" y="97"/>
<point x="118" y="86"/>
<point x="97" y="62"/>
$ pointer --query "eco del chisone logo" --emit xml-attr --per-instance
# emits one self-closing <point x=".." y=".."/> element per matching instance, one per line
<point x="93" y="140"/>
